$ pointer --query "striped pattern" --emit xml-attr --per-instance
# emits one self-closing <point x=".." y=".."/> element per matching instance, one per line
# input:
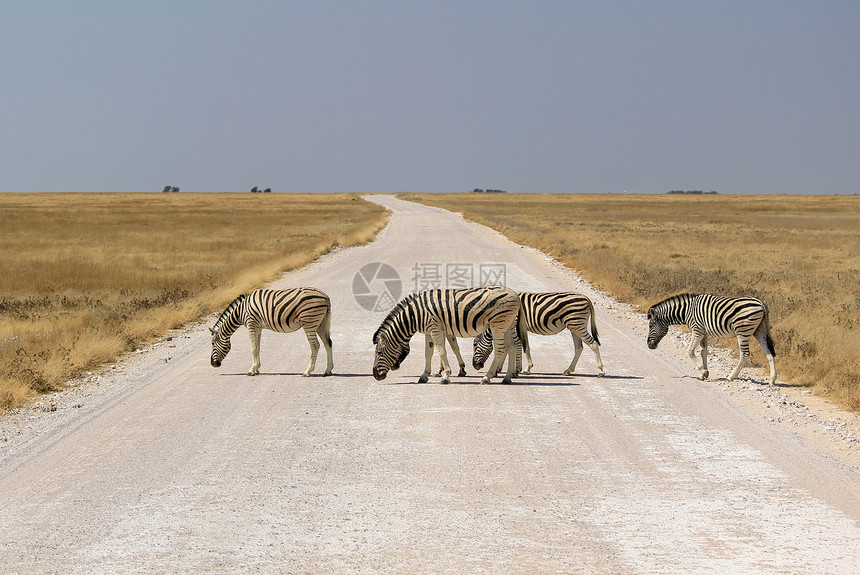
<point x="709" y="315"/>
<point x="282" y="311"/>
<point x="447" y="313"/>
<point x="550" y="314"/>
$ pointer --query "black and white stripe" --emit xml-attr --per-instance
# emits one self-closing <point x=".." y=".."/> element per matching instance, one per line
<point x="719" y="316"/>
<point x="550" y="314"/>
<point x="447" y="313"/>
<point x="282" y="311"/>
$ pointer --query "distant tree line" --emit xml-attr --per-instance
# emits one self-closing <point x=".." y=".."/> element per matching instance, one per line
<point x="690" y="192"/>
<point x="254" y="190"/>
<point x="480" y="191"/>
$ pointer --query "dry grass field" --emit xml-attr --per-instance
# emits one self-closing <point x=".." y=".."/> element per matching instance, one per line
<point x="88" y="277"/>
<point x="799" y="254"/>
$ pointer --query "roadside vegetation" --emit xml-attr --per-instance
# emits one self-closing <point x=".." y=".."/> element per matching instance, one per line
<point x="799" y="254"/>
<point x="89" y="277"/>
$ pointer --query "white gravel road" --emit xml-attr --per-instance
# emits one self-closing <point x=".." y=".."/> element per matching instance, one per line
<point x="166" y="465"/>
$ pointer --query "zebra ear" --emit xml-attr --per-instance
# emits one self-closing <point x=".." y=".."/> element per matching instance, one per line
<point x="650" y="313"/>
<point x="212" y="331"/>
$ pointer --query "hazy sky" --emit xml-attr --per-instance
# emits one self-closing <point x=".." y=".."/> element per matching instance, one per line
<point x="318" y="96"/>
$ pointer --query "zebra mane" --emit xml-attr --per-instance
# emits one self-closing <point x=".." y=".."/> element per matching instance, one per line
<point x="672" y="299"/>
<point x="393" y="314"/>
<point x="229" y="310"/>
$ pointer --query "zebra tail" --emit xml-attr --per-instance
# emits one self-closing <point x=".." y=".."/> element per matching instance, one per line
<point x="593" y="324"/>
<point x="326" y="325"/>
<point x="767" y="336"/>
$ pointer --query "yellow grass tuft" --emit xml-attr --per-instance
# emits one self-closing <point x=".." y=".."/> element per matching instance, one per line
<point x="88" y="277"/>
<point x="799" y="254"/>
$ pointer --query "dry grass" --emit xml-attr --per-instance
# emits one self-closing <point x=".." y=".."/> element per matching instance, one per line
<point x="799" y="254"/>
<point x="88" y="277"/>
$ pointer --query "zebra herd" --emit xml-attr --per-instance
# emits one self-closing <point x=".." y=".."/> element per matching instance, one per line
<point x="498" y="318"/>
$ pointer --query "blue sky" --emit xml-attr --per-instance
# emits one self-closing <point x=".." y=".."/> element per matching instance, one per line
<point x="587" y="97"/>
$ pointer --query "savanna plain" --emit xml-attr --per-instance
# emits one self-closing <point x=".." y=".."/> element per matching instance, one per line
<point x="87" y="278"/>
<point x="798" y="254"/>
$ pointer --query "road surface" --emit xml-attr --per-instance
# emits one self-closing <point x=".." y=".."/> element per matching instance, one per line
<point x="166" y="465"/>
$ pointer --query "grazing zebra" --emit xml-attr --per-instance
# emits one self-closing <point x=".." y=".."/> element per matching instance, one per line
<point x="447" y="313"/>
<point x="284" y="311"/>
<point x="549" y="314"/>
<point x="708" y="315"/>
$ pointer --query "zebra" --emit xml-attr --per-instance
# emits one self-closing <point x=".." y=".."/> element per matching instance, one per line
<point x="719" y="316"/>
<point x="442" y="313"/>
<point x="284" y="311"/>
<point x="549" y="314"/>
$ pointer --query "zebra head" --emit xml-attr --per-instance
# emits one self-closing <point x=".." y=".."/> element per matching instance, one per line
<point x="392" y="339"/>
<point x="658" y="327"/>
<point x="220" y="347"/>
<point x="388" y="357"/>
<point x="483" y="345"/>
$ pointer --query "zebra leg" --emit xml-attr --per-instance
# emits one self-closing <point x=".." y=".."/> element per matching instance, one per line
<point x="255" y="332"/>
<point x="577" y="351"/>
<point x="524" y="340"/>
<point x="588" y="340"/>
<point x="595" y="347"/>
<point x="456" y="348"/>
<point x="498" y="357"/>
<point x="494" y="372"/>
<point x="512" y="355"/>
<point x="519" y="369"/>
<point x="705" y="355"/>
<point x="315" y="348"/>
<point x="428" y="357"/>
<point x="324" y="332"/>
<point x="744" y="352"/>
<point x="761" y="336"/>
<point x="691" y="351"/>
<point x="439" y="341"/>
<point x="436" y="373"/>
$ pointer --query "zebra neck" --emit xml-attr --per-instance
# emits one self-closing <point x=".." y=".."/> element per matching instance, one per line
<point x="675" y="309"/>
<point x="231" y="319"/>
<point x="407" y="323"/>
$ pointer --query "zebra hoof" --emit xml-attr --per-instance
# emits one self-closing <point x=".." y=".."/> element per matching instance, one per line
<point x="327" y="373"/>
<point x="254" y="372"/>
<point x="445" y="381"/>
<point x="423" y="379"/>
<point x="507" y="381"/>
<point x="568" y="372"/>
<point x="705" y="375"/>
<point x="306" y="374"/>
<point x="485" y="380"/>
<point x="462" y="373"/>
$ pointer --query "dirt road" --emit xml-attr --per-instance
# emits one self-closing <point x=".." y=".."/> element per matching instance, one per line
<point x="166" y="465"/>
